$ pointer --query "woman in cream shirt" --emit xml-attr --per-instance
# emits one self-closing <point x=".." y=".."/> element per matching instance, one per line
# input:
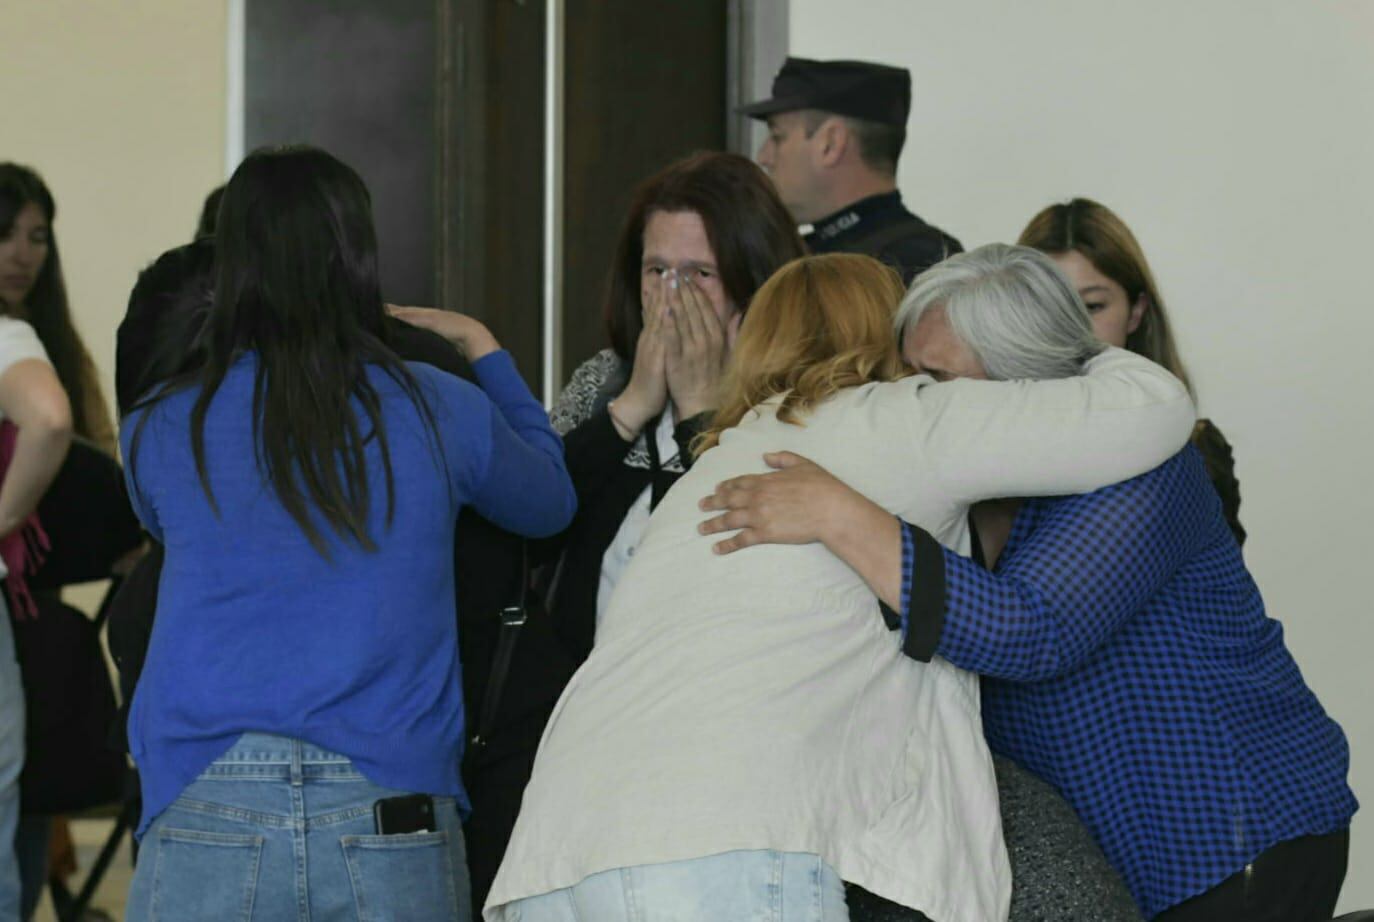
<point x="746" y="731"/>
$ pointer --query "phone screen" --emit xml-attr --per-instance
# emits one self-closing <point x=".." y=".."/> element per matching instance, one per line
<point x="397" y="816"/>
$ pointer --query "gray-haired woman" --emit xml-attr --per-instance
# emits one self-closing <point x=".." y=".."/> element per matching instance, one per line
<point x="1127" y="659"/>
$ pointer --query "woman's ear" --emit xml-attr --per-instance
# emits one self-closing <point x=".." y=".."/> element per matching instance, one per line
<point x="1137" y="312"/>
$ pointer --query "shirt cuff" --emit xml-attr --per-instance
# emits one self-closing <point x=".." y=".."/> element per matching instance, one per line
<point x="686" y="432"/>
<point x="897" y="619"/>
<point x="923" y="600"/>
<point x="498" y="377"/>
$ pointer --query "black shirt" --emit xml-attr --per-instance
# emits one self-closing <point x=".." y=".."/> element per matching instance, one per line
<point x="880" y="226"/>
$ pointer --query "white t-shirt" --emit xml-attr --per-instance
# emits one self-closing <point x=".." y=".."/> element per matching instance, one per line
<point x="758" y="701"/>
<point x="18" y="342"/>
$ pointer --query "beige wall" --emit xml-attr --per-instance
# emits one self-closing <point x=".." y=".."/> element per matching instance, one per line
<point x="121" y="107"/>
<point x="1235" y="137"/>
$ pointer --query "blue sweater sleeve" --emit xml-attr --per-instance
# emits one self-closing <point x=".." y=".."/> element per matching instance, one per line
<point x="143" y="508"/>
<point x="1090" y="563"/>
<point x="524" y="486"/>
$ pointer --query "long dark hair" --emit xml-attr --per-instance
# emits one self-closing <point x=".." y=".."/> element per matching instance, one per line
<point x="45" y="307"/>
<point x="296" y="284"/>
<point x="1093" y="230"/>
<point x="159" y="337"/>
<point x="750" y="230"/>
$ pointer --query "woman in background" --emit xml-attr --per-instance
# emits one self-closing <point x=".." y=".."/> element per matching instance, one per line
<point x="299" y="724"/>
<point x="1103" y="260"/>
<point x="39" y="297"/>
<point x="33" y="289"/>
<point x="33" y="401"/>
<point x="699" y="239"/>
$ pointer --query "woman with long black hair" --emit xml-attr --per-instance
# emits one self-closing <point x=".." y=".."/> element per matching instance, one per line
<point x="38" y="295"/>
<point x="299" y="723"/>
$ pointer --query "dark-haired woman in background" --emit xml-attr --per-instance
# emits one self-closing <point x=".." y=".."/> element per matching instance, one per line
<point x="1103" y="260"/>
<point x="33" y="400"/>
<point x="34" y="290"/>
<point x="302" y="684"/>
<point x="27" y="207"/>
<point x="699" y="239"/>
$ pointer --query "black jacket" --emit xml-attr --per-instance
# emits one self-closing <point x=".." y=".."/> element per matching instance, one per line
<point x="880" y="226"/>
<point x="606" y="489"/>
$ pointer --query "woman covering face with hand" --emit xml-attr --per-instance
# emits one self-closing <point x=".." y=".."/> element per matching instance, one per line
<point x="699" y="239"/>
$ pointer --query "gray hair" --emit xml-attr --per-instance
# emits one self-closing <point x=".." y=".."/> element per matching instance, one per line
<point x="1012" y="306"/>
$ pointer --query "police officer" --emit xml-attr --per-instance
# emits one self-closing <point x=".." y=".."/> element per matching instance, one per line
<point x="835" y="131"/>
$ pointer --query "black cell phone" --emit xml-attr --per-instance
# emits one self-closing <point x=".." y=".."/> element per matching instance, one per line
<point x="397" y="816"/>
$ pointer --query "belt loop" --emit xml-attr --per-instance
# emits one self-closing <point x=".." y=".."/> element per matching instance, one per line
<point x="297" y="775"/>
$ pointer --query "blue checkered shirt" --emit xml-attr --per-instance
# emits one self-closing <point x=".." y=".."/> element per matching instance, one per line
<point x="1128" y="660"/>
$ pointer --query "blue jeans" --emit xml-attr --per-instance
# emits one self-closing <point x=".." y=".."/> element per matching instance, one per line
<point x="743" y="886"/>
<point x="11" y="764"/>
<point x="277" y="829"/>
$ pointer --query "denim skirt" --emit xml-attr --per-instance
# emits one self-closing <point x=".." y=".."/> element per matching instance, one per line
<point x="278" y="829"/>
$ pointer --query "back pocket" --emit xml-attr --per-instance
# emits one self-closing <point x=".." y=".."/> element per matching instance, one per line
<point x="401" y="877"/>
<point x="204" y="875"/>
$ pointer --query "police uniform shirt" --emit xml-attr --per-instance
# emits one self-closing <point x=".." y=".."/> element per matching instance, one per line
<point x="880" y="226"/>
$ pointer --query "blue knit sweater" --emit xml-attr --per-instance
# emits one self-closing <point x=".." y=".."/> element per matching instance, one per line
<point x="356" y="652"/>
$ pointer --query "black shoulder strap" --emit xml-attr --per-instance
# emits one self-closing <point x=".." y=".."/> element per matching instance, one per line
<point x="660" y="481"/>
<point x="513" y="618"/>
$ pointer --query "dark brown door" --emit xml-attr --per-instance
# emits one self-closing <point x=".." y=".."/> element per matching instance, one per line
<point x="491" y="170"/>
<point x="440" y="106"/>
<point x="645" y="85"/>
<point x="356" y="78"/>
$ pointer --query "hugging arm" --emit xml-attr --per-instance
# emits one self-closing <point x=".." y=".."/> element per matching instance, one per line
<point x="1090" y="563"/>
<point x="801" y="503"/>
<point x="988" y="439"/>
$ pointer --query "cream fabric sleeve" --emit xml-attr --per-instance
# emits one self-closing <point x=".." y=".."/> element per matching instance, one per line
<point x="1123" y="416"/>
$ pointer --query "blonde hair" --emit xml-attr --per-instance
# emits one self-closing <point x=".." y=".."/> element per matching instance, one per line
<point x="819" y="325"/>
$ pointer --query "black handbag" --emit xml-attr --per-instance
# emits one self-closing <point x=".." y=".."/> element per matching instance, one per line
<point x="529" y="668"/>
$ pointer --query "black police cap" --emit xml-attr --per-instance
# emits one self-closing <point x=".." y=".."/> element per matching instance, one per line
<point x="858" y="89"/>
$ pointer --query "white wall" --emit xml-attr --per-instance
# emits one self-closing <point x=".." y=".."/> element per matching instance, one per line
<point x="1236" y="137"/>
<point x="121" y="107"/>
